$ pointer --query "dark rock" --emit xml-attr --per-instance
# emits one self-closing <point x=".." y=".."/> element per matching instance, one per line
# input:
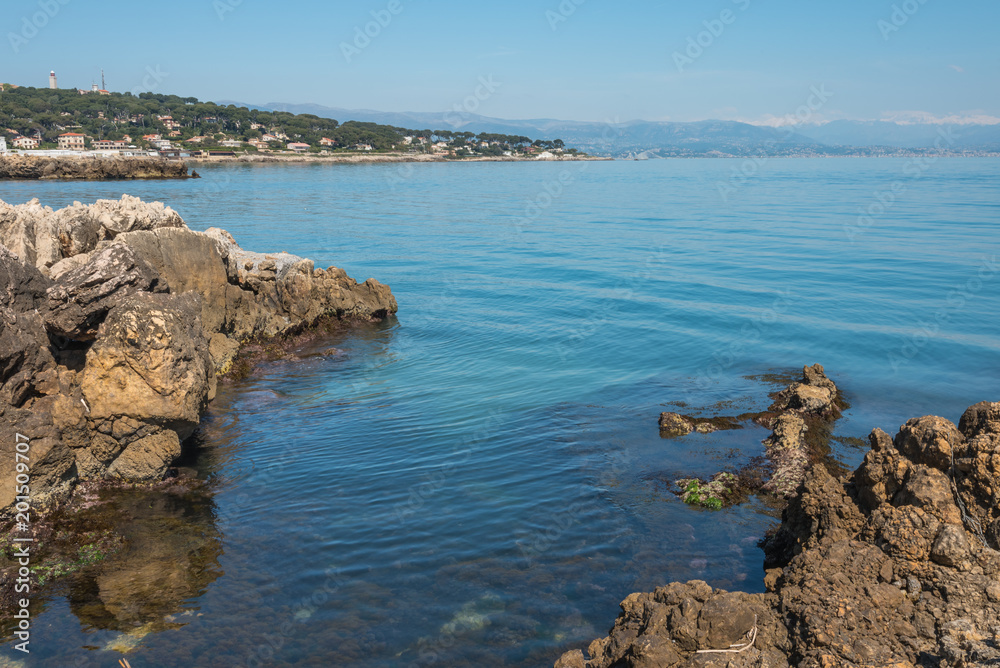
<point x="22" y="286"/>
<point x="81" y="298"/>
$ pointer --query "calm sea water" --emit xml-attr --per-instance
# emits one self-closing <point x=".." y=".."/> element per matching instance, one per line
<point x="481" y="480"/>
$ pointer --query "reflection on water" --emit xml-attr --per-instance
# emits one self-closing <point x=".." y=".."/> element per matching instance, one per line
<point x="170" y="556"/>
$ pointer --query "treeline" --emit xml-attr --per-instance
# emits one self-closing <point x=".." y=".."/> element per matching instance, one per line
<point x="46" y="113"/>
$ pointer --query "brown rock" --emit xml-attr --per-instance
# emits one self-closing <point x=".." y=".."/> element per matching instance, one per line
<point x="674" y="424"/>
<point x="148" y="458"/>
<point x="151" y="363"/>
<point x="951" y="547"/>
<point x="928" y="440"/>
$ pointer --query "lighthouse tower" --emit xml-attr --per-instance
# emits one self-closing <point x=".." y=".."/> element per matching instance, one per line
<point x="52" y="80"/>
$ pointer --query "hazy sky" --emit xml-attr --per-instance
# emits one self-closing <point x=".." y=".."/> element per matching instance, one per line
<point x="576" y="59"/>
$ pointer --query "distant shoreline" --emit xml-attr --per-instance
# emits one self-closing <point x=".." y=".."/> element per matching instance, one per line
<point x="376" y="158"/>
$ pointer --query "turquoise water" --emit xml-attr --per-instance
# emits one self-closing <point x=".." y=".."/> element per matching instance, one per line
<point x="480" y="481"/>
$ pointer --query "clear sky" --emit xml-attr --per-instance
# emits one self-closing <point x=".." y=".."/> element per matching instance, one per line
<point x="596" y="60"/>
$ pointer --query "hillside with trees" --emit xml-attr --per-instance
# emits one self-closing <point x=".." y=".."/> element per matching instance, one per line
<point x="45" y="114"/>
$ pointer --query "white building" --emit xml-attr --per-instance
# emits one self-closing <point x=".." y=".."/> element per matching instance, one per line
<point x="3" y="144"/>
<point x="26" y="142"/>
<point x="71" y="141"/>
<point x="52" y="80"/>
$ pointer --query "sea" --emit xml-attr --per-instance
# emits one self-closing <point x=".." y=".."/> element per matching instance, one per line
<point x="480" y="480"/>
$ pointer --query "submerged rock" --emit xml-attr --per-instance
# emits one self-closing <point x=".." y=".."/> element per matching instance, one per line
<point x="884" y="567"/>
<point x="799" y="418"/>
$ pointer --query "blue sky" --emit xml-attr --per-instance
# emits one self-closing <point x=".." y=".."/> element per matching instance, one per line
<point x="596" y="60"/>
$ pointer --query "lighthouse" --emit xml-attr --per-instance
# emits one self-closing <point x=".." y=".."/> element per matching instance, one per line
<point x="52" y="80"/>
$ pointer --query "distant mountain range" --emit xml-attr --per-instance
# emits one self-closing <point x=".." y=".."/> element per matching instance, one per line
<point x="705" y="138"/>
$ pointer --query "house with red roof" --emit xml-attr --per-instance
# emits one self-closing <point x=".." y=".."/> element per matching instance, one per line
<point x="72" y="141"/>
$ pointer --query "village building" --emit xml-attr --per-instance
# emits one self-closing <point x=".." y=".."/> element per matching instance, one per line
<point x="107" y="144"/>
<point x="26" y="143"/>
<point x="72" y="141"/>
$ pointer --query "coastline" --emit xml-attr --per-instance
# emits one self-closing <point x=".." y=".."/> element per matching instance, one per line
<point x="893" y="565"/>
<point x="88" y="167"/>
<point x="375" y="159"/>
<point x="118" y="324"/>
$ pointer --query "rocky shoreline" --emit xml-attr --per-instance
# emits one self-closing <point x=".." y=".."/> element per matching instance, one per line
<point x="91" y="169"/>
<point x="117" y="321"/>
<point x="895" y="564"/>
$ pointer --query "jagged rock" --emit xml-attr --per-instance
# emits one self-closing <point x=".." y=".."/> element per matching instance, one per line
<point x="669" y="626"/>
<point x="42" y="237"/>
<point x="820" y="513"/>
<point x="187" y="260"/>
<point x="82" y="297"/>
<point x="22" y="287"/>
<point x="787" y="450"/>
<point x="816" y="394"/>
<point x="51" y="459"/>
<point x="977" y="463"/>
<point x="151" y="363"/>
<point x="24" y="359"/>
<point x="951" y="547"/>
<point x="129" y="368"/>
<point x="799" y="419"/>
<point x="928" y="440"/>
<point x="877" y="569"/>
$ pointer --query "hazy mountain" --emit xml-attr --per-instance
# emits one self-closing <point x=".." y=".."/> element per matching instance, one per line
<point x="673" y="139"/>
<point x="885" y="133"/>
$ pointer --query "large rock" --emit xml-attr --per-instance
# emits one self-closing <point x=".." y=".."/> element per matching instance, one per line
<point x="880" y="568"/>
<point x="109" y="367"/>
<point x="151" y="363"/>
<point x="977" y="463"/>
<point x="81" y="298"/>
<point x="188" y="261"/>
<point x="42" y="237"/>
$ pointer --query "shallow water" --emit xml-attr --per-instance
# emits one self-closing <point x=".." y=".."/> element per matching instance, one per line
<point x="480" y="481"/>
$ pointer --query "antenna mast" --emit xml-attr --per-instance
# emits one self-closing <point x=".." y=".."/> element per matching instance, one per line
<point x="103" y="87"/>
